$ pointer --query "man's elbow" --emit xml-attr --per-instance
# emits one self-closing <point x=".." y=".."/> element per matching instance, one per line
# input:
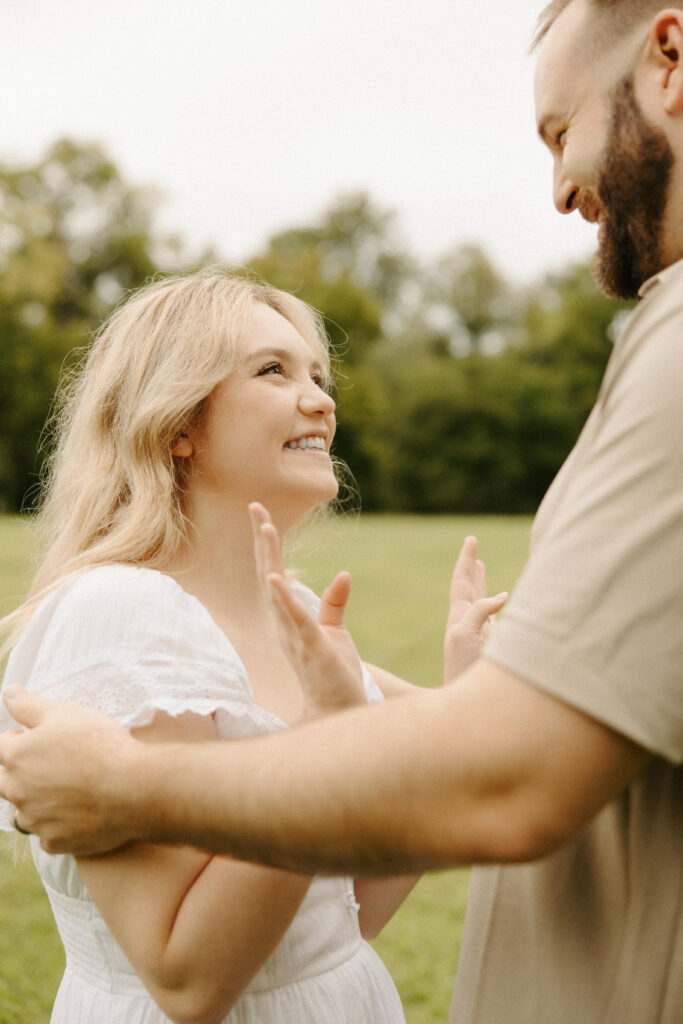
<point x="524" y="830"/>
<point x="533" y="839"/>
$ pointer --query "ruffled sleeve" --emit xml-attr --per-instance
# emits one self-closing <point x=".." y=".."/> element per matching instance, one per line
<point x="130" y="642"/>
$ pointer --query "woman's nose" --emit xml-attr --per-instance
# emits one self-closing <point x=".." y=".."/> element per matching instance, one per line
<point x="314" y="399"/>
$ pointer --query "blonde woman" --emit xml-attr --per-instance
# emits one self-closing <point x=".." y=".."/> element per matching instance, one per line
<point x="201" y="395"/>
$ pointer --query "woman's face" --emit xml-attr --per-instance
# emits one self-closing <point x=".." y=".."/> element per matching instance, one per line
<point x="269" y="425"/>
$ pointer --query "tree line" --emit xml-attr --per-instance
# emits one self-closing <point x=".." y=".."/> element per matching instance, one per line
<point x="456" y="390"/>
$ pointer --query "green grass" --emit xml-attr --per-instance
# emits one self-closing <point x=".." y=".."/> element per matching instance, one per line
<point x="15" y="551"/>
<point x="31" y="955"/>
<point x="401" y="567"/>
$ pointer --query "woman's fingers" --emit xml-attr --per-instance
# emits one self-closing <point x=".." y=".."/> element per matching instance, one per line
<point x="462" y="588"/>
<point x="334" y="601"/>
<point x="479" y="580"/>
<point x="272" y="550"/>
<point x="267" y="547"/>
<point x="480" y="612"/>
<point x="258" y="515"/>
<point x="301" y="635"/>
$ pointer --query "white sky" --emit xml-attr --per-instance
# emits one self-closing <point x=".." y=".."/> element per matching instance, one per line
<point x="252" y="115"/>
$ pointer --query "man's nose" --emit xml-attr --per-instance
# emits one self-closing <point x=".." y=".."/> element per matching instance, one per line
<point x="564" y="191"/>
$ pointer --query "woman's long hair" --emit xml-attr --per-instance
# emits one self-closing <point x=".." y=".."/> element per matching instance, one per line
<point x="112" y="490"/>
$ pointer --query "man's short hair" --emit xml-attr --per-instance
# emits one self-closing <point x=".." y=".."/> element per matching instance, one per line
<point x="622" y="15"/>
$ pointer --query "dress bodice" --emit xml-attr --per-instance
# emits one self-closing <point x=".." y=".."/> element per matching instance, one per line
<point x="131" y="642"/>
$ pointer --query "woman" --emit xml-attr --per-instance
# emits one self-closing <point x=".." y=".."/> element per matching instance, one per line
<point x="201" y="394"/>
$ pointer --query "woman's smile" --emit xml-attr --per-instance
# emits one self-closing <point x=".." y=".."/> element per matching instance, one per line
<point x="274" y="402"/>
<point x="310" y="442"/>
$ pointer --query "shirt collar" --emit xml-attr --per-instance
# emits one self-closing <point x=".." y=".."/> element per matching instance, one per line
<point x="669" y="271"/>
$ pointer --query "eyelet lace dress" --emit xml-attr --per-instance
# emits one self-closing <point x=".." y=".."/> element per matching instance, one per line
<point x="130" y="642"/>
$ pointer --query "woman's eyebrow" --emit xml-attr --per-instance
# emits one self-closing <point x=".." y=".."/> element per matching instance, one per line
<point x="270" y="351"/>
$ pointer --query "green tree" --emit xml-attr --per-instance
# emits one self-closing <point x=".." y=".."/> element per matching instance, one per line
<point x="476" y="433"/>
<point x="348" y="264"/>
<point x="74" y="236"/>
<point x="470" y="302"/>
<point x="568" y="327"/>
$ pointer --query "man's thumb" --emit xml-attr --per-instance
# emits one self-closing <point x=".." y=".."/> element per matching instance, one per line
<point x="24" y="707"/>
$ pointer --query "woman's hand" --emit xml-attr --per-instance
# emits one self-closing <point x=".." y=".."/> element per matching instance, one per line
<point x="470" y="611"/>
<point x="322" y="653"/>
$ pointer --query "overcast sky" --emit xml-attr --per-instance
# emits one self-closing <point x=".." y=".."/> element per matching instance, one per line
<point x="252" y="115"/>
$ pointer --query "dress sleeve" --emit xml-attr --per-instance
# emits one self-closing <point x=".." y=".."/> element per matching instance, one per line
<point x="129" y="643"/>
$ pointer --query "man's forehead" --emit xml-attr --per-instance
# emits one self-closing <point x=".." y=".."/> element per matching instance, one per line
<point x="562" y="72"/>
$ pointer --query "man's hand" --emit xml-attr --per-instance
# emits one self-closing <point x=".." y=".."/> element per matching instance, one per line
<point x="322" y="653"/>
<point x="470" y="611"/>
<point x="58" y="773"/>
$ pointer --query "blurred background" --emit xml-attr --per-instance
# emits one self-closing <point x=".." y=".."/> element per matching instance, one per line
<point x="381" y="162"/>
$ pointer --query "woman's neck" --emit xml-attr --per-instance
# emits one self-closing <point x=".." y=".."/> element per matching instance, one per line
<point x="218" y="564"/>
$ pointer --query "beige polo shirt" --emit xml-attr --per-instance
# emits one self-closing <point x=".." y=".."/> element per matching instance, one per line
<point x="594" y="933"/>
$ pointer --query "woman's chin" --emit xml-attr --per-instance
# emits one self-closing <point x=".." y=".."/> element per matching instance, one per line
<point x="286" y="512"/>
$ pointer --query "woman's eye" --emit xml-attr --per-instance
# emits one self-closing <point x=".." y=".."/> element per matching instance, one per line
<point x="271" y="368"/>
<point x="325" y="384"/>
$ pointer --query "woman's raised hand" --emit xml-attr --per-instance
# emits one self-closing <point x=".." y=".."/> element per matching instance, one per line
<point x="321" y="652"/>
<point x="470" y="611"/>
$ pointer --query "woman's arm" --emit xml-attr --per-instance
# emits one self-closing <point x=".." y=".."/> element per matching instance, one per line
<point x="325" y="659"/>
<point x="389" y="684"/>
<point x="467" y="629"/>
<point x="195" y="927"/>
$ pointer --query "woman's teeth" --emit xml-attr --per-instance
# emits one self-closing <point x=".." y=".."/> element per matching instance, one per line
<point x="307" y="442"/>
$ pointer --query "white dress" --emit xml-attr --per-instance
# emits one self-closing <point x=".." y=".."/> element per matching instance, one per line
<point x="130" y="642"/>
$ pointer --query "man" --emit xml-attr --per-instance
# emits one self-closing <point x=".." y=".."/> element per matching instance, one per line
<point x="558" y="754"/>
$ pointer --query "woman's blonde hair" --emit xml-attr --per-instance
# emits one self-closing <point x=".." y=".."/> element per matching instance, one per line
<point x="112" y="490"/>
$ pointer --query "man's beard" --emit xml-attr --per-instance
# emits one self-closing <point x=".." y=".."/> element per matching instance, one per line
<point x="633" y="185"/>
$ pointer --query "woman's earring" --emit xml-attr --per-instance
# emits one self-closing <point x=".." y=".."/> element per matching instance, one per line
<point x="183" y="447"/>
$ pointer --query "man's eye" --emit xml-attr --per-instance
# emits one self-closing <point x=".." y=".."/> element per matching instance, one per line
<point x="561" y="138"/>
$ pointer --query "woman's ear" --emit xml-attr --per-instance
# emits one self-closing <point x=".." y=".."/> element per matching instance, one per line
<point x="183" y="447"/>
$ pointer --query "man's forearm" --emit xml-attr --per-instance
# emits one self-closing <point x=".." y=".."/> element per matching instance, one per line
<point x="334" y="794"/>
<point x="488" y="769"/>
<point x="483" y="771"/>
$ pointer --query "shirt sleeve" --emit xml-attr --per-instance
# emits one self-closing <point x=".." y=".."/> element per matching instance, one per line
<point x="596" y="616"/>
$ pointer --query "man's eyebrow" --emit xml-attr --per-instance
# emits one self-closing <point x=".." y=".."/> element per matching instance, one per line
<point x="542" y="130"/>
<point x="549" y="126"/>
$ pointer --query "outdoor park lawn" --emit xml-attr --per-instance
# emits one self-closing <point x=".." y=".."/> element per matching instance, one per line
<point x="401" y="567"/>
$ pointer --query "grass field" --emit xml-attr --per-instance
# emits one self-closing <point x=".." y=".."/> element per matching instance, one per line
<point x="401" y="566"/>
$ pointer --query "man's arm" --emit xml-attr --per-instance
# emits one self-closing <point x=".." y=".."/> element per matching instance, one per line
<point x="489" y="770"/>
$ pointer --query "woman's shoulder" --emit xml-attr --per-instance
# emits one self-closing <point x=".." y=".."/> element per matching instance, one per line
<point x="110" y="584"/>
<point x="113" y="593"/>
<point x="106" y="611"/>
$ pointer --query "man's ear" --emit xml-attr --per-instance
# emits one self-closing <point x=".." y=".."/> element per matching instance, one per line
<point x="182" y="447"/>
<point x="666" y="48"/>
